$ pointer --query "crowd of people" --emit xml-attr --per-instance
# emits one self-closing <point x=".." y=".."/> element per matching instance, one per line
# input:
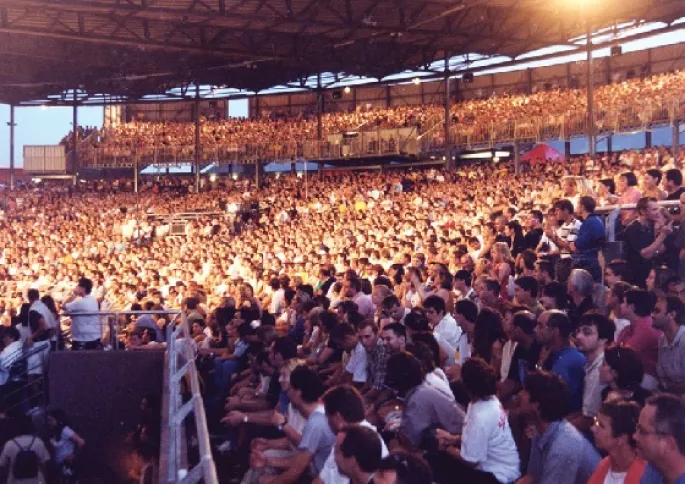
<point x="633" y="102"/>
<point x="466" y="325"/>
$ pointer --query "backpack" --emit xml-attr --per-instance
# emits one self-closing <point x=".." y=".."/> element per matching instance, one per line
<point x="26" y="462"/>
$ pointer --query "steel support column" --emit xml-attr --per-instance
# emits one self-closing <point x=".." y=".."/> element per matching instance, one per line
<point x="590" y="94"/>
<point x="517" y="157"/>
<point x="567" y="149"/>
<point x="448" y="118"/>
<point x="319" y="108"/>
<point x="74" y="152"/>
<point x="12" y="125"/>
<point x="198" y="157"/>
<point x="675" y="126"/>
<point x="648" y="139"/>
<point x="610" y="144"/>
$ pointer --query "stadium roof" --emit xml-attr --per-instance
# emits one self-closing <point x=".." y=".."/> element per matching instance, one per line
<point x="132" y="48"/>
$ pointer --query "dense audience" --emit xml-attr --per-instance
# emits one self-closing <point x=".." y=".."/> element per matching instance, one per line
<point x="630" y="104"/>
<point x="470" y="325"/>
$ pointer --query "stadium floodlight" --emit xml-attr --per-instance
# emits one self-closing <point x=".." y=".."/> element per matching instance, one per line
<point x="347" y="89"/>
<point x="212" y="178"/>
<point x="416" y="81"/>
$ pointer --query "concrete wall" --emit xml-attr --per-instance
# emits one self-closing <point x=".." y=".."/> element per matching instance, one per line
<point x="101" y="392"/>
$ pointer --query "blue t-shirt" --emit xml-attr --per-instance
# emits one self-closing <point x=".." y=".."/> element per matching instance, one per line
<point x="569" y="364"/>
<point x="652" y="476"/>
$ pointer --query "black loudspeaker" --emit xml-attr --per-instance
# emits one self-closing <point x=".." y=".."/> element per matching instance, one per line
<point x="616" y="50"/>
<point x="336" y="94"/>
<point x="468" y="77"/>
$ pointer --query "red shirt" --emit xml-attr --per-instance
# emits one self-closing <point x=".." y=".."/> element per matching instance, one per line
<point x="644" y="339"/>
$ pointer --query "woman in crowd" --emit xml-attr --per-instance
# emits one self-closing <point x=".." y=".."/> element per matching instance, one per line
<point x="622" y="373"/>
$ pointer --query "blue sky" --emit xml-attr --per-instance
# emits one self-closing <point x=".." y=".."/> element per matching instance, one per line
<point x="47" y="126"/>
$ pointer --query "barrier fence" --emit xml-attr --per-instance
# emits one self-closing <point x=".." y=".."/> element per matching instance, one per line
<point x="410" y="141"/>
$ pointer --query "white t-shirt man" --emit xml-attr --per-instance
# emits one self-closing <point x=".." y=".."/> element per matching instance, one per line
<point x="487" y="440"/>
<point x="330" y="474"/>
<point x="84" y="328"/>
<point x="447" y="333"/>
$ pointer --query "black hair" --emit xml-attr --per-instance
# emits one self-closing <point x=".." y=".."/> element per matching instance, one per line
<point x="564" y="204"/>
<point x="627" y="364"/>
<point x="675" y="175"/>
<point x="589" y="204"/>
<point x="525" y="321"/>
<point x="307" y="381"/>
<point x="408" y="468"/>
<point x="286" y="347"/>
<point x="605" y="326"/>
<point x="416" y="321"/>
<point x="345" y="400"/>
<point x="561" y="321"/>
<point x="551" y="394"/>
<point x="488" y="329"/>
<point x="435" y="302"/>
<point x="479" y="378"/>
<point x="468" y="309"/>
<point x="391" y="301"/>
<point x="620" y="268"/>
<point x="364" y="445"/>
<point x="631" y="179"/>
<point x="642" y="301"/>
<point x="428" y="340"/>
<point x="32" y="295"/>
<point x="556" y="290"/>
<point x="624" y="416"/>
<point x="403" y="372"/>
<point x="654" y="173"/>
<point x="463" y="275"/>
<point x="529" y="284"/>
<point x="86" y="284"/>
<point x="397" y="328"/>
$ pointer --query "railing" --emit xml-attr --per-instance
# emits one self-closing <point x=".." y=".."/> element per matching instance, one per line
<point x="642" y="115"/>
<point x="619" y="119"/>
<point x="181" y="365"/>
<point x="382" y="142"/>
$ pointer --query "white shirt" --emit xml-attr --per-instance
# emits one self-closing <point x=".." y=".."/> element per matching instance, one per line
<point x="49" y="318"/>
<point x="330" y="474"/>
<point x="447" y="333"/>
<point x="84" y="328"/>
<point x="277" y="302"/>
<point x="357" y="364"/>
<point x="8" y="356"/>
<point x="439" y="380"/>
<point x="487" y="440"/>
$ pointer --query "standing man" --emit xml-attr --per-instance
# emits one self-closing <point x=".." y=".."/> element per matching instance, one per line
<point x="590" y="240"/>
<point x="644" y="240"/>
<point x="86" y="329"/>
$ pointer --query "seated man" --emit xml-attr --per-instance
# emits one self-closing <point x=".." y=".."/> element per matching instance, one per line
<point x="669" y="317"/>
<point x="358" y="453"/>
<point x="317" y="439"/>
<point x="426" y="407"/>
<point x="559" y="453"/>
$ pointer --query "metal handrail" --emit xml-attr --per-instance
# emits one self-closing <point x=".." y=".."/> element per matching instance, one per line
<point x="204" y="470"/>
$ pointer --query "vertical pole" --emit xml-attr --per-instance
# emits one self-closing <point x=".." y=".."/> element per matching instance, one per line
<point x="590" y="93"/>
<point x="517" y="157"/>
<point x="648" y="139"/>
<point x="448" y="141"/>
<point x="74" y="152"/>
<point x="258" y="174"/>
<point x="676" y="137"/>
<point x="319" y="108"/>
<point x="197" y="137"/>
<point x="529" y="80"/>
<point x="306" y="181"/>
<point x="12" y="125"/>
<point x="567" y="150"/>
<point x="388" y="97"/>
<point x="135" y="174"/>
<point x="610" y="144"/>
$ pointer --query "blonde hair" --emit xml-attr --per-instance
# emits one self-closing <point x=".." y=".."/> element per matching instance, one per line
<point x="502" y="249"/>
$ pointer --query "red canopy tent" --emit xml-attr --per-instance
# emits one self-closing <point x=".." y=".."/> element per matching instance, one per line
<point x="542" y="153"/>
